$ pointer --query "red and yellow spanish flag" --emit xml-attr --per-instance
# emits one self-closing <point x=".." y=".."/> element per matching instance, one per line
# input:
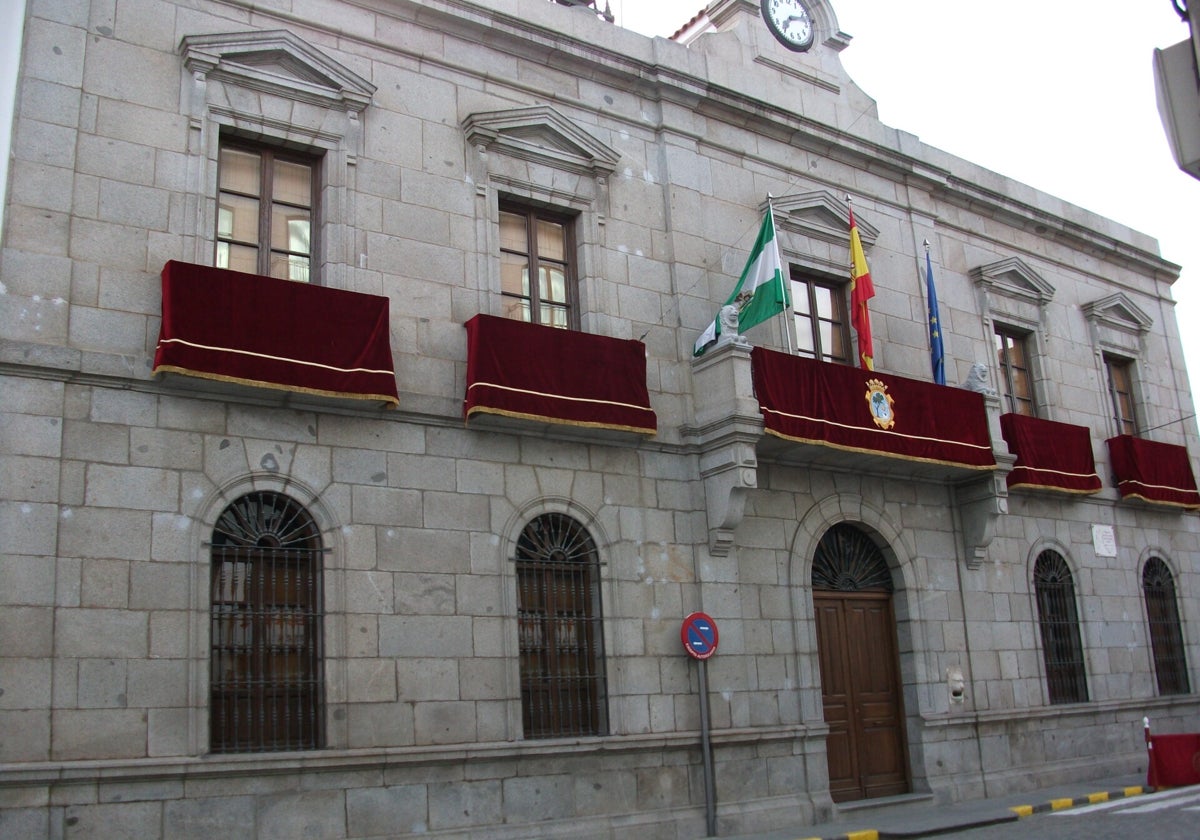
<point x="861" y="290"/>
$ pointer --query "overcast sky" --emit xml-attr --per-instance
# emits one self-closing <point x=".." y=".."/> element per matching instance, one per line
<point x="1058" y="94"/>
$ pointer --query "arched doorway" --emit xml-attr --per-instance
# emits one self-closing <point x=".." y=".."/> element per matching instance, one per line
<point x="860" y="673"/>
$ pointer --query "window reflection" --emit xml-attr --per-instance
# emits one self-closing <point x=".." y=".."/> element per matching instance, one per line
<point x="536" y="278"/>
<point x="819" y="316"/>
<point x="264" y="212"/>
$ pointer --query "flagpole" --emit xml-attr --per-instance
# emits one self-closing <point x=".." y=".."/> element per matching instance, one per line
<point x="760" y="292"/>
<point x="861" y="290"/>
<point x="937" y="346"/>
<point x="921" y="283"/>
<point x="787" y="310"/>
<point x="853" y="320"/>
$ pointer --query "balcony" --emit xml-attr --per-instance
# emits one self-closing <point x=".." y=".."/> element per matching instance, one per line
<point x="533" y="375"/>
<point x="263" y="332"/>
<point x="1153" y="472"/>
<point x="828" y="414"/>
<point x="752" y="402"/>
<point x="1051" y="456"/>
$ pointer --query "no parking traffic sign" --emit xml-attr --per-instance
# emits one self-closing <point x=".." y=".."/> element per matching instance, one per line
<point x="699" y="635"/>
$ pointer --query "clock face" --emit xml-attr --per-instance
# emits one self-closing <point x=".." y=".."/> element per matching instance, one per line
<point x="790" y="22"/>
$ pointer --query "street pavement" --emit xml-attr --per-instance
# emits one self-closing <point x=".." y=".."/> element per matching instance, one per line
<point x="916" y="816"/>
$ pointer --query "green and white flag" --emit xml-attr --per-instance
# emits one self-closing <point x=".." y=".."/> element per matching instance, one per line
<point x="760" y="292"/>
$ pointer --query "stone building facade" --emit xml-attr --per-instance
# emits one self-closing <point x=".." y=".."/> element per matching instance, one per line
<point x="253" y="589"/>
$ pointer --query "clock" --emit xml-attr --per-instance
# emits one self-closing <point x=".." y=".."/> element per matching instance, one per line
<point x="790" y="22"/>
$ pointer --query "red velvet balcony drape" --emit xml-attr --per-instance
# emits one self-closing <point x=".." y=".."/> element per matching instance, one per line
<point x="517" y="369"/>
<point x="1174" y="760"/>
<point x="1152" y="471"/>
<point x="271" y="333"/>
<point x="867" y="411"/>
<point x="1050" y="455"/>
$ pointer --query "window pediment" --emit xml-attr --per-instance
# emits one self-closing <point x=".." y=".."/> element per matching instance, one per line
<point x="541" y="135"/>
<point x="1118" y="312"/>
<point x="1012" y="278"/>
<point x="820" y="215"/>
<point x="276" y="62"/>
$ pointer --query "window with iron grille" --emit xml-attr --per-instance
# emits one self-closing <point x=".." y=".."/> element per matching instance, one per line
<point x="537" y="275"/>
<point x="1058" y="619"/>
<point x="819" y="314"/>
<point x="1166" y="633"/>
<point x="560" y="629"/>
<point x="265" y="211"/>
<point x="266" y="677"/>
<point x="1016" y="377"/>
<point x="1120" y="391"/>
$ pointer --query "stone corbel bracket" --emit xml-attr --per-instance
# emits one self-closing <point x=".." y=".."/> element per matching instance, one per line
<point x="728" y="428"/>
<point x="983" y="500"/>
<point x="728" y="469"/>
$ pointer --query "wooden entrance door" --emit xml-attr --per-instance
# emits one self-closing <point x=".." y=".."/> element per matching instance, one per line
<point x="860" y="677"/>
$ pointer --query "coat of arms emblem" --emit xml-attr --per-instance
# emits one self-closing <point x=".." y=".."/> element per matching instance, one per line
<point x="881" y="404"/>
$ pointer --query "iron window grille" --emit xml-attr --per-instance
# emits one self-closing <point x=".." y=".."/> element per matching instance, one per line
<point x="1058" y="619"/>
<point x="560" y="630"/>
<point x="846" y="560"/>
<point x="1166" y="633"/>
<point x="266" y="678"/>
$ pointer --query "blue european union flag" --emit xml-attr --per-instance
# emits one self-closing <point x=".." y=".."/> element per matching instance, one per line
<point x="937" y="355"/>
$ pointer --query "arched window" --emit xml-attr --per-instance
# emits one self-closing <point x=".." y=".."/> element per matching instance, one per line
<point x="266" y="678"/>
<point x="559" y="625"/>
<point x="1166" y="634"/>
<point x="1058" y="619"/>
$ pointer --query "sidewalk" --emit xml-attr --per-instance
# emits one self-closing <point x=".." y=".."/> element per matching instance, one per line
<point x="916" y="816"/>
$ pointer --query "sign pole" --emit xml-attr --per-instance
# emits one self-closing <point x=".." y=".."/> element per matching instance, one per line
<point x="700" y="638"/>
<point x="710" y="797"/>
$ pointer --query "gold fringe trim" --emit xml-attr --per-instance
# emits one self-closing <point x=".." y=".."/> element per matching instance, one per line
<point x="1165" y="502"/>
<point x="387" y="399"/>
<point x="1162" y="502"/>
<point x="557" y="396"/>
<point x="1155" y="486"/>
<point x="882" y="452"/>
<point x="541" y="418"/>
<point x="269" y="357"/>
<point x="1053" y="487"/>
<point x="1057" y="472"/>
<point x="824" y="422"/>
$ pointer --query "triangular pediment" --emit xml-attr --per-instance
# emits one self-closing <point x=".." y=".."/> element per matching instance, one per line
<point x="821" y="215"/>
<point x="1013" y="278"/>
<point x="1119" y="312"/>
<point x="279" y="63"/>
<point x="542" y="135"/>
<point x="276" y="62"/>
